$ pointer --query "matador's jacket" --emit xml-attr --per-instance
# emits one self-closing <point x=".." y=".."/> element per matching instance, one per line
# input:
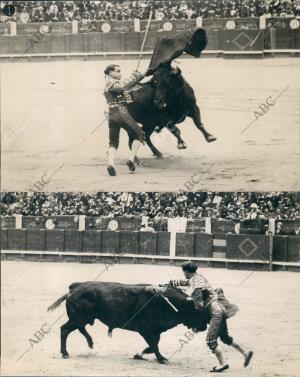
<point x="204" y="294"/>
<point x="116" y="91"/>
<point x="118" y="97"/>
<point x="197" y="285"/>
<point x="219" y="308"/>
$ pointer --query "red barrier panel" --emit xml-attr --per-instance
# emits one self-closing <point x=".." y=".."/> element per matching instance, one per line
<point x="55" y="240"/>
<point x="110" y="242"/>
<point x="163" y="243"/>
<point x="248" y="247"/>
<point x="185" y="243"/>
<point x="203" y="245"/>
<point x="36" y="239"/>
<point x="280" y="248"/>
<point x="91" y="240"/>
<point x="16" y="239"/>
<point x="73" y="240"/>
<point x="8" y="222"/>
<point x="293" y="248"/>
<point x="129" y="242"/>
<point x="147" y="243"/>
<point x="4" y="239"/>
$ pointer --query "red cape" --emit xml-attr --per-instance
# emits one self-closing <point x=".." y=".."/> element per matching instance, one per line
<point x="170" y="47"/>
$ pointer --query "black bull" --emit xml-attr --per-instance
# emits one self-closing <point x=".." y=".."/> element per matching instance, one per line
<point x="137" y="308"/>
<point x="164" y="102"/>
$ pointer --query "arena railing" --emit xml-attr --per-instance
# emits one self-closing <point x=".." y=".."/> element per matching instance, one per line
<point x="67" y="239"/>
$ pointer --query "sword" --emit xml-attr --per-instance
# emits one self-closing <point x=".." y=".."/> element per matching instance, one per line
<point x="167" y="300"/>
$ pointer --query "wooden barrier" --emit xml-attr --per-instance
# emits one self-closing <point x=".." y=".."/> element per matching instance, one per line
<point x="110" y="242"/>
<point x="294" y="248"/>
<point x="245" y="247"/>
<point x="4" y="239"/>
<point x="203" y="245"/>
<point x="219" y="245"/>
<point x="16" y="239"/>
<point x="129" y="242"/>
<point x="147" y="243"/>
<point x="221" y="41"/>
<point x="280" y="248"/>
<point x="91" y="240"/>
<point x="73" y="240"/>
<point x="163" y="243"/>
<point x="185" y="244"/>
<point x="188" y="245"/>
<point x="55" y="240"/>
<point x="35" y="239"/>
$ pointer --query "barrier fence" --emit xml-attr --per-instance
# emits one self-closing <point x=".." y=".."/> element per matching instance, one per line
<point x="61" y="39"/>
<point x="65" y="237"/>
<point x="134" y="223"/>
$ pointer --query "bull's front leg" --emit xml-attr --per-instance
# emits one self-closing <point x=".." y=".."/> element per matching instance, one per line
<point x="196" y="116"/>
<point x="152" y="340"/>
<point x="139" y="356"/>
<point x="154" y="150"/>
<point x="176" y="132"/>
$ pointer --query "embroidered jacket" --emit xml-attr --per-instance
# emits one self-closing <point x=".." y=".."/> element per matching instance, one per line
<point x="116" y="91"/>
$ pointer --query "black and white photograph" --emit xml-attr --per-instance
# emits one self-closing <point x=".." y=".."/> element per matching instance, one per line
<point x="150" y="188"/>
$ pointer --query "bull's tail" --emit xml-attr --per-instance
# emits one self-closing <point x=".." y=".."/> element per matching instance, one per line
<point x="57" y="303"/>
<point x="62" y="298"/>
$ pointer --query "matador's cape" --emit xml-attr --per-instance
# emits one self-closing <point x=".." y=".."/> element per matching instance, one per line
<point x="170" y="47"/>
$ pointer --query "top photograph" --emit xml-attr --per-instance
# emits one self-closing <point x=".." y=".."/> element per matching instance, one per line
<point x="176" y="96"/>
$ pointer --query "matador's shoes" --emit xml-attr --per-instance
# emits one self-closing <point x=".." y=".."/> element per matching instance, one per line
<point x="219" y="370"/>
<point x="210" y="138"/>
<point x="111" y="171"/>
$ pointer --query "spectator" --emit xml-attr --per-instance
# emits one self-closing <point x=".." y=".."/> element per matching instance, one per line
<point x="66" y="11"/>
<point x="24" y="16"/>
<point x="157" y="206"/>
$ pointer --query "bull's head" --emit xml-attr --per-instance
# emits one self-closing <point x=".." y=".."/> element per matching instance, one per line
<point x="165" y="79"/>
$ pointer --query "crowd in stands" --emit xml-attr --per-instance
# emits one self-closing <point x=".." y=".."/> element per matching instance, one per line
<point x="253" y="205"/>
<point x="97" y="10"/>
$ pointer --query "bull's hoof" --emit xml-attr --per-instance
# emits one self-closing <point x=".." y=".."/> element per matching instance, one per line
<point x="138" y="356"/>
<point x="181" y="145"/>
<point x="91" y="344"/>
<point x="65" y="356"/>
<point x="159" y="155"/>
<point x="111" y="171"/>
<point x="137" y="160"/>
<point x="210" y="138"/>
<point x="163" y="361"/>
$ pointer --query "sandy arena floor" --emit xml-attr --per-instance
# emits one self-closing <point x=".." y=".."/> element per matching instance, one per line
<point x="268" y="323"/>
<point x="50" y="110"/>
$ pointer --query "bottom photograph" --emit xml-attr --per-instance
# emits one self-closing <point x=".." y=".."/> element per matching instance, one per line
<point x="150" y="283"/>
